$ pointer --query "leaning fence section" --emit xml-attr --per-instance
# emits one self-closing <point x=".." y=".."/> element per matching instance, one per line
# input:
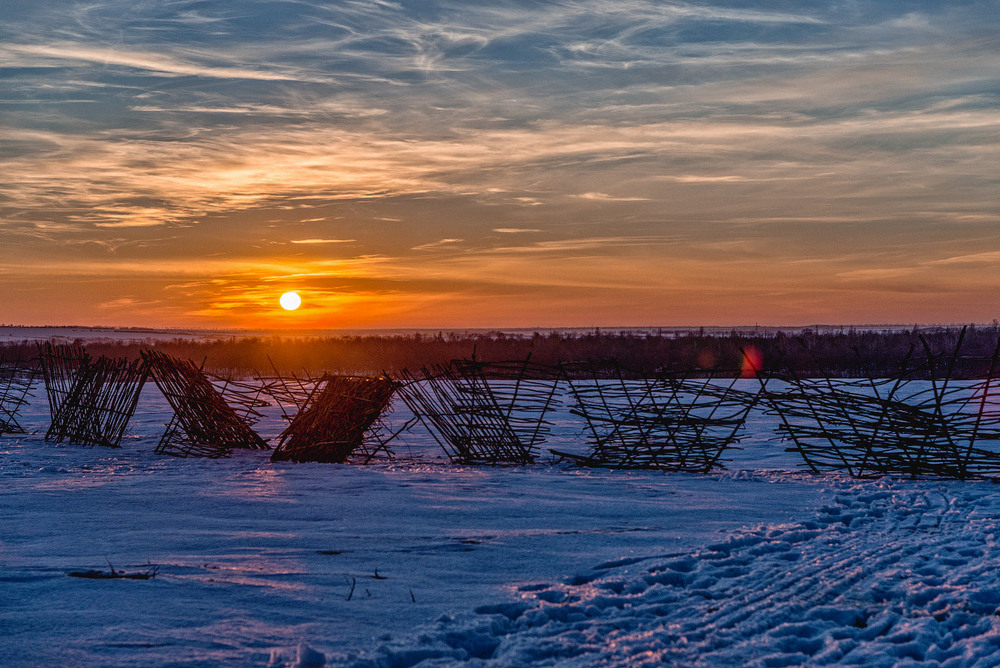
<point x="671" y="421"/>
<point x="60" y="364"/>
<point x="338" y="417"/>
<point x="290" y="392"/>
<point x="484" y="412"/>
<point x="245" y="397"/>
<point x="16" y="380"/>
<point x="91" y="401"/>
<point x="203" y="424"/>
<point x="525" y="392"/>
<point x="921" y="422"/>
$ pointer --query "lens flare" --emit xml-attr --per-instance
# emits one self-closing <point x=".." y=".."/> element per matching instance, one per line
<point x="753" y="362"/>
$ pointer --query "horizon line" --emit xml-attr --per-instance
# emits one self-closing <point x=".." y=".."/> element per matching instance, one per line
<point x="501" y="329"/>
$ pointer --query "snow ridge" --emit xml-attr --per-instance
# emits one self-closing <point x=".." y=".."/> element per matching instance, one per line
<point x="891" y="573"/>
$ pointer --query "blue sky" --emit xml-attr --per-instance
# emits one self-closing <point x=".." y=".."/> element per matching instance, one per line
<point x="503" y="164"/>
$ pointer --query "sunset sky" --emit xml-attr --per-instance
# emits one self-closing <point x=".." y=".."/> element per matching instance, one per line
<point x="500" y="164"/>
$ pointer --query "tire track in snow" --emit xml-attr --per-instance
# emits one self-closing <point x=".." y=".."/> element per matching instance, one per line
<point x="825" y="573"/>
<point x="821" y="581"/>
<point x="730" y="595"/>
<point x="890" y="572"/>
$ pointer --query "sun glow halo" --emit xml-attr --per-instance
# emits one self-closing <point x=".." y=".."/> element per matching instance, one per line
<point x="290" y="301"/>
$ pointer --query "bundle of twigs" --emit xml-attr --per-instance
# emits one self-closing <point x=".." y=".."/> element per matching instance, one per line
<point x="337" y="419"/>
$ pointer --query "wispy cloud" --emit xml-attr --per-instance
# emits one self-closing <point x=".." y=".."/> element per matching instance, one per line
<point x="440" y="243"/>
<point x="157" y="64"/>
<point x="323" y="241"/>
<point x="825" y="145"/>
<point x="578" y="245"/>
<point x="989" y="257"/>
<point x="604" y="197"/>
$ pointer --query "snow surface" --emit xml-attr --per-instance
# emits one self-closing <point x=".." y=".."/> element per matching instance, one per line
<point x="394" y="564"/>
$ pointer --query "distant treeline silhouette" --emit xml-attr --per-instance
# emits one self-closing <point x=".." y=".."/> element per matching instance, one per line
<point x="848" y="353"/>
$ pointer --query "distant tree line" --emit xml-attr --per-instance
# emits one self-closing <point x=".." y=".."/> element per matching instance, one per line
<point x="850" y="353"/>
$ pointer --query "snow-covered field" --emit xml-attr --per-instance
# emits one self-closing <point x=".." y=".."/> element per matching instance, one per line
<point x="395" y="563"/>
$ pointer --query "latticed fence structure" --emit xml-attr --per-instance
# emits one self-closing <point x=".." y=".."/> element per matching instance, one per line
<point x="923" y="422"/>
<point x="484" y="412"/>
<point x="337" y="417"/>
<point x="245" y="397"/>
<point x="204" y="424"/>
<point x="16" y="381"/>
<point x="289" y="391"/>
<point x="670" y="421"/>
<point x="91" y="401"/>
<point x="59" y="365"/>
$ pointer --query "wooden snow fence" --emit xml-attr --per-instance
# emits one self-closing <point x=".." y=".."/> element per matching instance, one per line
<point x="91" y="401"/>
<point x="922" y="422"/>
<point x="59" y="365"/>
<point x="484" y="412"/>
<point x="204" y="423"/>
<point x="336" y="418"/>
<point x="673" y="421"/>
<point x="16" y="381"/>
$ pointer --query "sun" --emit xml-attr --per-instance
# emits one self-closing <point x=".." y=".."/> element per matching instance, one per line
<point x="290" y="301"/>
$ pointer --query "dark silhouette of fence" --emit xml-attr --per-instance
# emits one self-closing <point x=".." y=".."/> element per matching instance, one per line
<point x="91" y="401"/>
<point x="671" y="421"/>
<point x="204" y="424"/>
<point x="59" y="365"/>
<point x="484" y="412"/>
<point x="16" y="381"/>
<point x="337" y="417"/>
<point x="921" y="422"/>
